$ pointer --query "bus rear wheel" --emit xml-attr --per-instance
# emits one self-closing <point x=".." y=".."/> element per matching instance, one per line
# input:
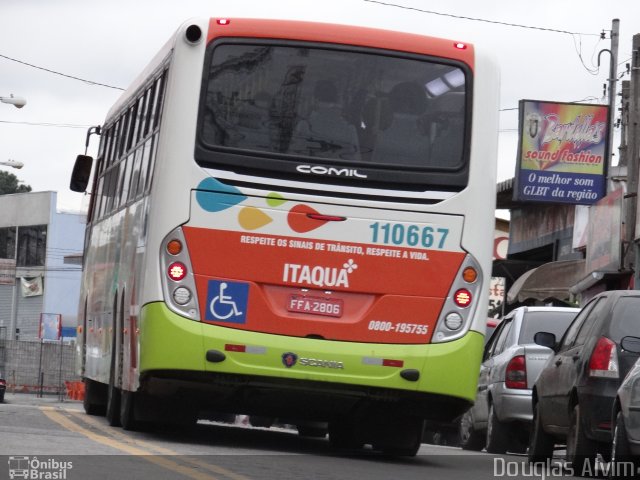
<point x="343" y="435"/>
<point x="128" y="418"/>
<point x="402" y="437"/>
<point x="94" y="401"/>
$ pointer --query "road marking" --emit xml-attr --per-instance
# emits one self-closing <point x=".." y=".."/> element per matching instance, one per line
<point x="134" y="443"/>
<point x="65" y="422"/>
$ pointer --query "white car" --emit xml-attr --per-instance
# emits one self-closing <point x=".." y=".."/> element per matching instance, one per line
<point x="501" y="417"/>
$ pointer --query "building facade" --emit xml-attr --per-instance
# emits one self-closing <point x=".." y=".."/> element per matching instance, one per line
<point x="35" y="238"/>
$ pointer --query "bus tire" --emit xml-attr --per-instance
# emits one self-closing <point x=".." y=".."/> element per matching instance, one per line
<point x="403" y="439"/>
<point x="311" y="431"/>
<point x="343" y="435"/>
<point x="113" y="394"/>
<point x="93" y="402"/>
<point x="498" y="433"/>
<point x="261" y="421"/>
<point x="128" y="418"/>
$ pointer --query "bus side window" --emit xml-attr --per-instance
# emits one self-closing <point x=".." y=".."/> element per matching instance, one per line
<point x="144" y="166"/>
<point x="149" y="94"/>
<point x="152" y="161"/>
<point x="135" y="172"/>
<point x="126" y="179"/>
<point x="158" y="101"/>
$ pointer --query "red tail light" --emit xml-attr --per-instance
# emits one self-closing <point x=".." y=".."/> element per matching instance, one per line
<point x="462" y="298"/>
<point x="604" y="359"/>
<point x="177" y="271"/>
<point x="516" y="375"/>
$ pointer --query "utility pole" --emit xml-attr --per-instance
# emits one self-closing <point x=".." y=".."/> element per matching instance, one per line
<point x="623" y="149"/>
<point x="633" y="150"/>
<point x="613" y="74"/>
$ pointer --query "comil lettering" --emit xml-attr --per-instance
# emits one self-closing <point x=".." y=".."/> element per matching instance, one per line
<point x="338" y="172"/>
<point x="318" y="276"/>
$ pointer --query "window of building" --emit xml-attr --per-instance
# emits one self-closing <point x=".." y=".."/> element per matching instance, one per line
<point x="32" y="245"/>
<point x="8" y="242"/>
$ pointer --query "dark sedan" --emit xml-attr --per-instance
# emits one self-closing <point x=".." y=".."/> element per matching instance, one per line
<point x="3" y="387"/>
<point x="625" y="419"/>
<point x="574" y="395"/>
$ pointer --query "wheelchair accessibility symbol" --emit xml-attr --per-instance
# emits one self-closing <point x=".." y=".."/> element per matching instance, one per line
<point x="227" y="301"/>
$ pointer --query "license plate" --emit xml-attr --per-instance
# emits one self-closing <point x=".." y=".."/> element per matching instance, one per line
<point x="329" y="307"/>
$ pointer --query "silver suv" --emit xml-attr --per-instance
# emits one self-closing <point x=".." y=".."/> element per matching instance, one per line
<point x="501" y="417"/>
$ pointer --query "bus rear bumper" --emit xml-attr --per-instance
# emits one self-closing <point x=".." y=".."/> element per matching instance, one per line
<point x="225" y="366"/>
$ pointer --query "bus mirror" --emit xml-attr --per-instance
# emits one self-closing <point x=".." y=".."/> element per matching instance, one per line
<point x="81" y="173"/>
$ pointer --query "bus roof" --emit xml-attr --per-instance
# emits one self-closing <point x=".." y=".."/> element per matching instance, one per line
<point x="341" y="34"/>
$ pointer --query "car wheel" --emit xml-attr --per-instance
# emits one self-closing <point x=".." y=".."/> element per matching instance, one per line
<point x="621" y="458"/>
<point x="469" y="437"/>
<point x="581" y="451"/>
<point x="540" y="442"/>
<point x="498" y="434"/>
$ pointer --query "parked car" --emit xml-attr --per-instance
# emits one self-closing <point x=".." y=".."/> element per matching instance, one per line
<point x="574" y="395"/>
<point x="625" y="418"/>
<point x="3" y="387"/>
<point x="501" y="416"/>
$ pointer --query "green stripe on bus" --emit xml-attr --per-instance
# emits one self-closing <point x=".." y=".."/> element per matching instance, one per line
<point x="171" y="342"/>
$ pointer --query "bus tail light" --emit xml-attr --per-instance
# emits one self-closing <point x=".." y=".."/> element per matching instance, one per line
<point x="462" y="298"/>
<point x="178" y="283"/>
<point x="460" y="305"/>
<point x="177" y="271"/>
<point x="604" y="359"/>
<point x="516" y="374"/>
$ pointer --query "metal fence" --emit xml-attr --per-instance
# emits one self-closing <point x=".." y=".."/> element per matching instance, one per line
<point x="37" y="367"/>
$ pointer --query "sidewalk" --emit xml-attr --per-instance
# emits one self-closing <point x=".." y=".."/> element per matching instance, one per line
<point x="33" y="399"/>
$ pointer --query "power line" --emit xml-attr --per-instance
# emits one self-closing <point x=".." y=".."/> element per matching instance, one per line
<point x="90" y="82"/>
<point x="45" y="124"/>
<point x="495" y="22"/>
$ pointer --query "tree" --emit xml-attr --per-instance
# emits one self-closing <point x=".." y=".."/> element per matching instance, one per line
<point x="9" y="183"/>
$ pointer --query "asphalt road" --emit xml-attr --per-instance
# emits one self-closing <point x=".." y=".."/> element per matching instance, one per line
<point x="44" y="438"/>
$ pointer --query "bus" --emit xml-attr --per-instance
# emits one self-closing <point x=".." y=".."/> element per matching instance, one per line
<point x="292" y="220"/>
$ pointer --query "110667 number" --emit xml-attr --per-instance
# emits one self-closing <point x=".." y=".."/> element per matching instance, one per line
<point x="412" y="235"/>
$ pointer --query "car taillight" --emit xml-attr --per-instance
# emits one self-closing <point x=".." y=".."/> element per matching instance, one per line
<point x="604" y="359"/>
<point x="516" y="375"/>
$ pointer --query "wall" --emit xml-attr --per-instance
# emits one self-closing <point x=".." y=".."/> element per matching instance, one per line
<point x="24" y="363"/>
<point x="62" y="281"/>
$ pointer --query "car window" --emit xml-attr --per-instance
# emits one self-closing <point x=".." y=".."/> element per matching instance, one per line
<point x="502" y="339"/>
<point x="625" y="318"/>
<point x="555" y="322"/>
<point x="572" y="331"/>
<point x="597" y="312"/>
<point x="491" y="343"/>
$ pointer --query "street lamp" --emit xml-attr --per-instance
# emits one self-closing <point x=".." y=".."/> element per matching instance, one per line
<point x="17" y="102"/>
<point x="12" y="163"/>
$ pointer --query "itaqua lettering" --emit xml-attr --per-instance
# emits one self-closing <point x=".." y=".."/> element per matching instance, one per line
<point x="316" y="275"/>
